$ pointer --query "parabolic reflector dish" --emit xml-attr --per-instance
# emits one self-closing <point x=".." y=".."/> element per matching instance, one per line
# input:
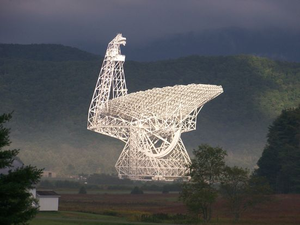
<point x="149" y="122"/>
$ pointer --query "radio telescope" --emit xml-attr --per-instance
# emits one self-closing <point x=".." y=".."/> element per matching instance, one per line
<point x="150" y="122"/>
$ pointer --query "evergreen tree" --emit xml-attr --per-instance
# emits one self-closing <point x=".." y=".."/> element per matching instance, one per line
<point x="17" y="205"/>
<point x="280" y="160"/>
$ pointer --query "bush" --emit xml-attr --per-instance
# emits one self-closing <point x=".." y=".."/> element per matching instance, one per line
<point x="82" y="190"/>
<point x="110" y="213"/>
<point x="136" y="190"/>
<point x="163" y="217"/>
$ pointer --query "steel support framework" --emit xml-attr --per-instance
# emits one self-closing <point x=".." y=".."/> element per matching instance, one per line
<point x="149" y="122"/>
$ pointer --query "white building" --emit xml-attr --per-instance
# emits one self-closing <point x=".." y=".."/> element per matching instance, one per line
<point x="16" y="163"/>
<point x="48" y="200"/>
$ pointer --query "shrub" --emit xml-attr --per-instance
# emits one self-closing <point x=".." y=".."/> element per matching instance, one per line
<point x="136" y="190"/>
<point x="82" y="190"/>
<point x="110" y="213"/>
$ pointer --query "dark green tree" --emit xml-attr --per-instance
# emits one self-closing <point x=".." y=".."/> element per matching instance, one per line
<point x="17" y="205"/>
<point x="280" y="160"/>
<point x="136" y="191"/>
<point x="82" y="190"/>
<point x="206" y="172"/>
<point x="242" y="191"/>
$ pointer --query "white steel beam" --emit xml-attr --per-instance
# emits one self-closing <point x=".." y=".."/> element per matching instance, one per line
<point x="149" y="122"/>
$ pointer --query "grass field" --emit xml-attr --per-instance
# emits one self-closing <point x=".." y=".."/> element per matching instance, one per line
<point x="68" y="218"/>
<point x="119" y="208"/>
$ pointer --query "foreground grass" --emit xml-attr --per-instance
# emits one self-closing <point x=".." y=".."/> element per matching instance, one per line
<point x="132" y="209"/>
<point x="79" y="218"/>
<point x="66" y="218"/>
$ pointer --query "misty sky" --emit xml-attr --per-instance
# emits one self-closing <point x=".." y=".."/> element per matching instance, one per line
<point x="82" y="22"/>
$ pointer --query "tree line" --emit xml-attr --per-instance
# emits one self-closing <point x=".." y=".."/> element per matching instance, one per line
<point x="280" y="160"/>
<point x="278" y="172"/>
<point x="211" y="178"/>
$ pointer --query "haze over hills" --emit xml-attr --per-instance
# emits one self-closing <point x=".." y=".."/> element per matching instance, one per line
<point x="49" y="87"/>
<point x="274" y="43"/>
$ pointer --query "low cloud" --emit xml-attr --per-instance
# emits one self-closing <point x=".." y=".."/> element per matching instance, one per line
<point x="75" y="22"/>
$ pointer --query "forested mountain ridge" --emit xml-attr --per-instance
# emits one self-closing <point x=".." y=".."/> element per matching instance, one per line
<point x="44" y="52"/>
<point x="50" y="100"/>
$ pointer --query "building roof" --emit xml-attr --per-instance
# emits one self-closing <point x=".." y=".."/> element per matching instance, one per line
<point x="16" y="164"/>
<point x="47" y="193"/>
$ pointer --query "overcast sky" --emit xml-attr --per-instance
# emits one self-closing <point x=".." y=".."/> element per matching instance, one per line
<point x="78" y="22"/>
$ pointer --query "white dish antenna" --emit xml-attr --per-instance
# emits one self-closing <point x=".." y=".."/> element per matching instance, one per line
<point x="149" y="122"/>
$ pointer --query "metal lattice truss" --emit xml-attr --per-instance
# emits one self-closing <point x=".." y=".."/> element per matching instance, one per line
<point x="149" y="122"/>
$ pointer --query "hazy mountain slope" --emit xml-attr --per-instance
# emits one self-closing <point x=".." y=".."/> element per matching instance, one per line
<point x="50" y="100"/>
